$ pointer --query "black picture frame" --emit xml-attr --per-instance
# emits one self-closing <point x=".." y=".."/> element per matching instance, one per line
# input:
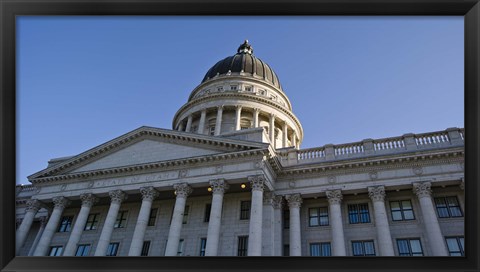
<point x="470" y="9"/>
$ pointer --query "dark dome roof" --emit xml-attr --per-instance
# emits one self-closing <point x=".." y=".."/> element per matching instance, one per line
<point x="244" y="61"/>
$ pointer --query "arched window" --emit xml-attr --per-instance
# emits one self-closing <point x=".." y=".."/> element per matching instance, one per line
<point x="245" y="123"/>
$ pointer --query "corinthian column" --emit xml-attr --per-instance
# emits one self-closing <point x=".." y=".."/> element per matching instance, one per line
<point x="432" y="228"/>
<point x="284" y="134"/>
<point x="182" y="190"/>
<point x="148" y="195"/>
<point x="201" y="125"/>
<point x="218" y="121"/>
<point x="60" y="203"/>
<point x="43" y="223"/>
<point x="33" y="206"/>
<point x="238" y="116"/>
<point x="294" y="203"/>
<point x="377" y="194"/>
<point x="256" y="112"/>
<point x="213" y="234"/>
<point x="116" y="199"/>
<point x="256" y="216"/>
<point x="271" y="129"/>
<point x="87" y="202"/>
<point x="277" y="226"/>
<point x="338" y="239"/>
<point x="189" y="124"/>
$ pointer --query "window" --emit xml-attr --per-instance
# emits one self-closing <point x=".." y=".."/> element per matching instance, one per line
<point x="409" y="247"/>
<point x="320" y="249"/>
<point x="262" y="92"/>
<point x="242" y="246"/>
<point x="92" y="222"/>
<point x="448" y="207"/>
<point x="153" y="217"/>
<point x="244" y="210"/>
<point x="203" y="244"/>
<point x="456" y="245"/>
<point x="363" y="248"/>
<point x="286" y="250"/>
<point x="185" y="214"/>
<point x="194" y="129"/>
<point x="208" y="208"/>
<point x="358" y="213"/>
<point x="55" y="251"/>
<point x="248" y="88"/>
<point x="211" y="130"/>
<point x="180" y="248"/>
<point x="121" y="219"/>
<point x="286" y="219"/>
<point x="401" y="210"/>
<point x="273" y="97"/>
<point x="318" y="217"/>
<point x="65" y="224"/>
<point x="82" y="250"/>
<point x="145" y="248"/>
<point x="233" y="87"/>
<point x="220" y="89"/>
<point x="112" y="249"/>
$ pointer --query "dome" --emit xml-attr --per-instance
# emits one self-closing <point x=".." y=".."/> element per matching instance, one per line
<point x="246" y="63"/>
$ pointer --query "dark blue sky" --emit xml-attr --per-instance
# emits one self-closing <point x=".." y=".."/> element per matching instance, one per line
<point x="82" y="81"/>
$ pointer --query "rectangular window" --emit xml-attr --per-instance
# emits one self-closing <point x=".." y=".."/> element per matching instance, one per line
<point x="363" y="248"/>
<point x="320" y="249"/>
<point x="92" y="222"/>
<point x="153" y="217"/>
<point x="286" y="250"/>
<point x="145" y="248"/>
<point x="456" y="245"/>
<point x="318" y="217"/>
<point x="203" y="244"/>
<point x="185" y="214"/>
<point x="248" y="88"/>
<point x="112" y="249"/>
<point x="180" y="247"/>
<point x="286" y="219"/>
<point x="242" y="245"/>
<point x="83" y="250"/>
<point x="220" y="88"/>
<point x="55" y="251"/>
<point x="233" y="87"/>
<point x="358" y="213"/>
<point x="401" y="210"/>
<point x="121" y="221"/>
<point x="208" y="209"/>
<point x="211" y="130"/>
<point x="447" y="207"/>
<point x="245" y="210"/>
<point x="65" y="224"/>
<point x="409" y="247"/>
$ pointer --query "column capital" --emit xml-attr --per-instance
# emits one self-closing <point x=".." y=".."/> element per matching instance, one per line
<point x="60" y="202"/>
<point x="334" y="196"/>
<point x="294" y="201"/>
<point x="117" y="196"/>
<point x="88" y="199"/>
<point x="422" y="189"/>
<point x="377" y="193"/>
<point x="272" y="115"/>
<point x="257" y="182"/>
<point x="238" y="107"/>
<point x="33" y="205"/>
<point x="220" y="107"/>
<point x="219" y="186"/>
<point x="277" y="202"/>
<point x="148" y="193"/>
<point x="182" y="189"/>
<point x="256" y="110"/>
<point x="268" y="198"/>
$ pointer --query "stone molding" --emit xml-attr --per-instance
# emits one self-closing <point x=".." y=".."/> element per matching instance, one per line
<point x="88" y="200"/>
<point x="60" y="202"/>
<point x="334" y="197"/>
<point x="294" y="201"/>
<point x="148" y="193"/>
<point x="117" y="196"/>
<point x="219" y="186"/>
<point x="257" y="182"/>
<point x="182" y="190"/>
<point x="277" y="202"/>
<point x="422" y="189"/>
<point x="33" y="205"/>
<point x="377" y="193"/>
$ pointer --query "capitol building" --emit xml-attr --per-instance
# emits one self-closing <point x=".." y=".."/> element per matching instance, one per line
<point x="230" y="179"/>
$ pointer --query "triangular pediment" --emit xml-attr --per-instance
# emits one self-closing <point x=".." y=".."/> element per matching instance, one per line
<point x="143" y="146"/>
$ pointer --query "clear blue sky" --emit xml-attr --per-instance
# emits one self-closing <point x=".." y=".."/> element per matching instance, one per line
<point x="82" y="81"/>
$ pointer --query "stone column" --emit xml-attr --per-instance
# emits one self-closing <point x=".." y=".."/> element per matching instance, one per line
<point x="116" y="199"/>
<point x="294" y="203"/>
<point x="384" y="238"/>
<point x="432" y="228"/>
<point x="43" y="223"/>
<point x="201" y="125"/>
<point x="338" y="239"/>
<point x="189" y="124"/>
<point x="148" y="195"/>
<point x="87" y="202"/>
<point x="256" y="112"/>
<point x="256" y="220"/>
<point x="60" y="203"/>
<point x="277" y="226"/>
<point x="294" y="140"/>
<point x="238" y="116"/>
<point x="284" y="134"/>
<point x="268" y="234"/>
<point x="33" y="205"/>
<point x="180" y="126"/>
<point x="218" y="121"/>
<point x="213" y="233"/>
<point x="182" y="190"/>
<point x="271" y="129"/>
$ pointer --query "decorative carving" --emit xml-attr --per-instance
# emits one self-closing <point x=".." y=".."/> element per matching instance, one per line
<point x="37" y="190"/>
<point x="277" y="202"/>
<point x="33" y="205"/>
<point x="268" y="198"/>
<point x="182" y="189"/>
<point x="182" y="173"/>
<point x="332" y="179"/>
<point x="373" y="175"/>
<point x="219" y="186"/>
<point x="219" y="169"/>
<point x="291" y="184"/>
<point x="88" y="200"/>
<point x="257" y="182"/>
<point x="117" y="196"/>
<point x="63" y="187"/>
<point x="60" y="202"/>
<point x="334" y="197"/>
<point x="294" y="201"/>
<point x="377" y="193"/>
<point x="90" y="184"/>
<point x="422" y="189"/>
<point x="148" y="193"/>
<point x="417" y="170"/>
